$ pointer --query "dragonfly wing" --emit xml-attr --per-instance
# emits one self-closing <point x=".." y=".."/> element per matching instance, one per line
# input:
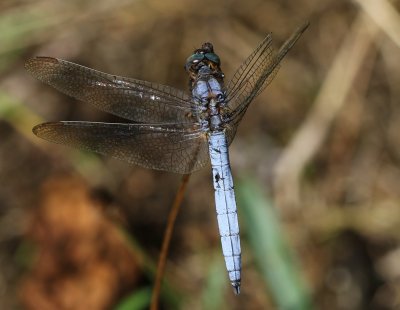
<point x="230" y="132"/>
<point x="256" y="72"/>
<point x="168" y="147"/>
<point x="132" y="99"/>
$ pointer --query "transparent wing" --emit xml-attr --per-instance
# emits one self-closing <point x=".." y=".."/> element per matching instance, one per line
<point x="135" y="100"/>
<point x="258" y="70"/>
<point x="246" y="76"/>
<point x="168" y="147"/>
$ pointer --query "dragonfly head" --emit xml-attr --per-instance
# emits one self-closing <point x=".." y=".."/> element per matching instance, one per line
<point x="203" y="57"/>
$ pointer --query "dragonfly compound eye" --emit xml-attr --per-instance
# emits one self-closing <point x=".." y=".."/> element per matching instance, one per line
<point x="195" y="58"/>
<point x="213" y="58"/>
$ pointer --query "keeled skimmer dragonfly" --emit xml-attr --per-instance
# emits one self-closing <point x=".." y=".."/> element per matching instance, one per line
<point x="171" y="130"/>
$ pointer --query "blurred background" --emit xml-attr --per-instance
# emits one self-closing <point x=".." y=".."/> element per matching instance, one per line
<point x="316" y="160"/>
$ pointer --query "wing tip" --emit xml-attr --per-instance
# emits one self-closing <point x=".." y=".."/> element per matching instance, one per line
<point x="39" y="129"/>
<point x="36" y="129"/>
<point x="304" y="26"/>
<point x="34" y="61"/>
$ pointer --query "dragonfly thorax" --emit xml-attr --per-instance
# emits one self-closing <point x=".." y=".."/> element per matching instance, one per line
<point x="207" y="92"/>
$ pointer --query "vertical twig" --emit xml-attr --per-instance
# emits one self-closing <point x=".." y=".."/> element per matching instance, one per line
<point x="330" y="100"/>
<point x="166" y="242"/>
<point x="385" y="15"/>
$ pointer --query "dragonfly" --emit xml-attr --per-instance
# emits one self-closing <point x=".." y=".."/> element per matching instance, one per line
<point x="169" y="129"/>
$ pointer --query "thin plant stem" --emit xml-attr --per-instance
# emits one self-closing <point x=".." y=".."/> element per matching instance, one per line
<point x="167" y="240"/>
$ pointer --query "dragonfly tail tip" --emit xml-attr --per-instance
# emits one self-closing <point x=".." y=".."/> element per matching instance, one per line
<point x="236" y="288"/>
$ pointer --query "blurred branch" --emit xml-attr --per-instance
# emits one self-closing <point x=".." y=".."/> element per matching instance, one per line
<point x="167" y="240"/>
<point x="19" y="27"/>
<point x="379" y="221"/>
<point x="21" y="117"/>
<point x="212" y="299"/>
<point x="329" y="102"/>
<point x="385" y="15"/>
<point x="277" y="263"/>
<point x="37" y="22"/>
